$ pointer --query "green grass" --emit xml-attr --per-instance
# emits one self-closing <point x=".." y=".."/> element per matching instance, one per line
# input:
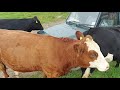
<point x="111" y="73"/>
<point x="44" y="17"/>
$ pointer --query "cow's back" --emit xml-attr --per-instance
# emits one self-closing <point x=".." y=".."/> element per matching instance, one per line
<point x="15" y="24"/>
<point x="21" y="24"/>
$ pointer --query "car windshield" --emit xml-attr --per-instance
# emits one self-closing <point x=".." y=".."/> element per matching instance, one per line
<point x="83" y="18"/>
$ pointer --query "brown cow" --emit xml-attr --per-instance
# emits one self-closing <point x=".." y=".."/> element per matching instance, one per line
<point x="27" y="52"/>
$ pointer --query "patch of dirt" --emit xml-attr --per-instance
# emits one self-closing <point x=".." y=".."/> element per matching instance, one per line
<point x="47" y="25"/>
<point x="36" y="74"/>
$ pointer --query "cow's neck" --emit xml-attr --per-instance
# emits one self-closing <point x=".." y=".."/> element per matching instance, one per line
<point x="72" y="56"/>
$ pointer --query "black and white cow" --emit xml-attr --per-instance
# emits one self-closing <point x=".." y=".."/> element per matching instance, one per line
<point x="108" y="38"/>
<point x="21" y="24"/>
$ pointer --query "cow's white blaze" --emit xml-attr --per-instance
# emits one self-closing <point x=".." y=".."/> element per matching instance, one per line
<point x="101" y="64"/>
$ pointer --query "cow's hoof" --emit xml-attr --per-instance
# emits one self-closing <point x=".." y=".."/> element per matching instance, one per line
<point x="90" y="75"/>
<point x="84" y="77"/>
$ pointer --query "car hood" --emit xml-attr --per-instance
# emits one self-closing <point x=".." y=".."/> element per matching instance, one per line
<point x="62" y="30"/>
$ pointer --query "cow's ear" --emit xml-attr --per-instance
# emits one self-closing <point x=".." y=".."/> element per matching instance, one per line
<point x="36" y="19"/>
<point x="79" y="35"/>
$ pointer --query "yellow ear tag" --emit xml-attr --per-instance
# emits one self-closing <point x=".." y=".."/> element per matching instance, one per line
<point x="87" y="39"/>
<point x="36" y="21"/>
<point x="81" y="38"/>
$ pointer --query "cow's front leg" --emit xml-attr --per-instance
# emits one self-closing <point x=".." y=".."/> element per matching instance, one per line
<point x="83" y="71"/>
<point x="51" y="73"/>
<point x="3" y="69"/>
<point x="44" y="75"/>
<point x="87" y="73"/>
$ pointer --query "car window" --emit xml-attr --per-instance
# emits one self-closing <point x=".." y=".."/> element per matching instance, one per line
<point x="87" y="18"/>
<point x="119" y="19"/>
<point x="108" y="19"/>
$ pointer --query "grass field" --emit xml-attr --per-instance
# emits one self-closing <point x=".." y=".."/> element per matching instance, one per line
<point x="44" y="17"/>
<point x="47" y="17"/>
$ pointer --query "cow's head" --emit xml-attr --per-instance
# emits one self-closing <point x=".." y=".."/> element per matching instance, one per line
<point x="36" y="25"/>
<point x="90" y="53"/>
